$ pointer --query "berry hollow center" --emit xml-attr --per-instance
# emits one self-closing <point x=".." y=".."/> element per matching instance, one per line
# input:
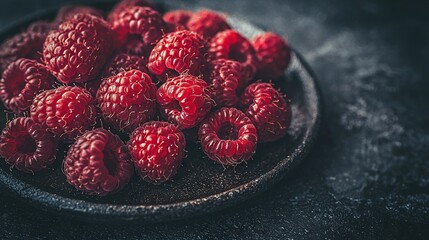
<point x="25" y="144"/>
<point x="110" y="161"/>
<point x="227" y="132"/>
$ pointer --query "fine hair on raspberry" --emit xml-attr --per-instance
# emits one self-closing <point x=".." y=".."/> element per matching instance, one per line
<point x="65" y="111"/>
<point x="181" y="52"/>
<point x="157" y="149"/>
<point x="79" y="48"/>
<point x="228" y="136"/>
<point x="98" y="163"/>
<point x="230" y="44"/>
<point x="26" y="146"/>
<point x="127" y="99"/>
<point x="225" y="79"/>
<point x="184" y="100"/>
<point x="268" y="110"/>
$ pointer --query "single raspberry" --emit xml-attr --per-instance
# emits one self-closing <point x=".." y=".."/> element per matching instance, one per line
<point x="157" y="149"/>
<point x="124" y="4"/>
<point x="43" y="27"/>
<point x="273" y="53"/>
<point x="143" y="21"/>
<point x="230" y="44"/>
<point x="135" y="46"/>
<point x="78" y="50"/>
<point x="21" y="82"/>
<point x="26" y="146"/>
<point x="225" y="78"/>
<point x="184" y="100"/>
<point x="127" y="99"/>
<point x="207" y="23"/>
<point x="179" y="52"/>
<point x="177" y="18"/>
<point x="98" y="163"/>
<point x="28" y="44"/>
<point x="65" y="111"/>
<point x="229" y="137"/>
<point x="268" y="110"/>
<point x="124" y="62"/>
<point x="67" y="12"/>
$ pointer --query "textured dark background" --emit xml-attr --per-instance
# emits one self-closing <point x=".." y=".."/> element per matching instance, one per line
<point x="367" y="177"/>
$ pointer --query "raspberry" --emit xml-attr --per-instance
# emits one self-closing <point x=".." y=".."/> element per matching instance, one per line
<point x="21" y="82"/>
<point x="98" y="163"/>
<point x="178" y="52"/>
<point x="184" y="100"/>
<point x="226" y="75"/>
<point x="157" y="149"/>
<point x="143" y="21"/>
<point x="230" y="44"/>
<point x="65" y="111"/>
<point x="207" y="23"/>
<point x="27" y="44"/>
<point x="124" y="62"/>
<point x="177" y="18"/>
<point x="25" y="145"/>
<point x="43" y="27"/>
<point x="273" y="53"/>
<point x="67" y="12"/>
<point x="268" y="110"/>
<point x="227" y="136"/>
<point x="78" y="50"/>
<point x="124" y="4"/>
<point x="127" y="100"/>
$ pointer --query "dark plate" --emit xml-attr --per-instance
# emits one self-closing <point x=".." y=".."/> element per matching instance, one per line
<point x="201" y="185"/>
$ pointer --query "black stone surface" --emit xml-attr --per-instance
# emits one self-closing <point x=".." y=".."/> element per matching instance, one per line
<point x="368" y="176"/>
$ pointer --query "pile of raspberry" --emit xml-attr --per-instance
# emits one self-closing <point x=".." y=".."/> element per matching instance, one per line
<point x="163" y="79"/>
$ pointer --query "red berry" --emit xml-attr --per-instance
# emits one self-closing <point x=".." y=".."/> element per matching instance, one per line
<point x="98" y="163"/>
<point x="207" y="23"/>
<point x="177" y="18"/>
<point x="65" y="111"/>
<point x="184" y="100"/>
<point x="225" y="78"/>
<point x="78" y="50"/>
<point x="28" y="44"/>
<point x="26" y="146"/>
<point x="21" y="82"/>
<point x="67" y="12"/>
<point x="143" y="21"/>
<point x="227" y="136"/>
<point x="273" y="53"/>
<point x="124" y="4"/>
<point x="268" y="110"/>
<point x="178" y="52"/>
<point x="157" y="149"/>
<point x="124" y="62"/>
<point x="127" y="99"/>
<point x="230" y="44"/>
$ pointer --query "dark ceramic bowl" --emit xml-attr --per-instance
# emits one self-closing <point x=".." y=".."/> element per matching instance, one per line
<point x="201" y="185"/>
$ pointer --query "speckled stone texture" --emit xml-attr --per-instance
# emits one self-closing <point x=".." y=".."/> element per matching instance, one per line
<point x="368" y="175"/>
